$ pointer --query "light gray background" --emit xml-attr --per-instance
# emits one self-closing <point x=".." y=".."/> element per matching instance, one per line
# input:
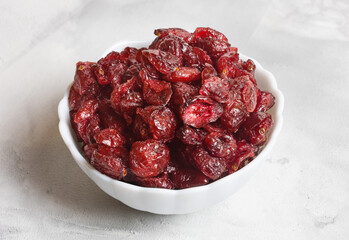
<point x="302" y="192"/>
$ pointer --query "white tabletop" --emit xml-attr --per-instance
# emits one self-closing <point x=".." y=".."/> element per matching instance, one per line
<point x="302" y="192"/>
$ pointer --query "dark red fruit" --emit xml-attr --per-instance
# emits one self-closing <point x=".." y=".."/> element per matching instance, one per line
<point x="84" y="79"/>
<point x="120" y="91"/>
<point x="164" y="62"/>
<point x="200" y="111"/>
<point x="220" y="144"/>
<point x="129" y="104"/>
<point x="214" y="47"/>
<point x="100" y="74"/>
<point x="182" y="93"/>
<point x="148" y="158"/>
<point x="156" y="92"/>
<point x="110" y="137"/>
<point x="256" y="128"/>
<point x="196" y="57"/>
<point x="191" y="136"/>
<point x="244" y="152"/>
<point x="206" y="32"/>
<point x="210" y="166"/>
<point x="186" y="178"/>
<point x="184" y="74"/>
<point x="216" y="88"/>
<point x="249" y="66"/>
<point x="234" y="115"/>
<point x="115" y="73"/>
<point x="109" y="165"/>
<point x="208" y="72"/>
<point x="265" y="101"/>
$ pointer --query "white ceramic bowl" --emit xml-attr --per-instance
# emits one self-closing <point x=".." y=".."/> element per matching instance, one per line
<point x="165" y="201"/>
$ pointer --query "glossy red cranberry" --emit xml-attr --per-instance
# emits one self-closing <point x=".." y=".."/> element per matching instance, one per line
<point x="216" y="88"/>
<point x="148" y="158"/>
<point x="206" y="32"/>
<point x="179" y="32"/>
<point x="110" y="137"/>
<point x="200" y="111"/>
<point x="191" y="136"/>
<point x="187" y="178"/>
<point x="265" y="101"/>
<point x="184" y="74"/>
<point x="220" y="145"/>
<point x="156" y="92"/>
<point x="162" y="181"/>
<point x="164" y="62"/>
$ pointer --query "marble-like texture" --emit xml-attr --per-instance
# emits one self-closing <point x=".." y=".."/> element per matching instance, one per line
<point x="302" y="192"/>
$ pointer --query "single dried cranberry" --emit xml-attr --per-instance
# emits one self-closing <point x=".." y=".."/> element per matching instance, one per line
<point x="84" y="79"/>
<point x="141" y="128"/>
<point x="121" y="90"/>
<point x="179" y="32"/>
<point x="191" y="136"/>
<point x="148" y="158"/>
<point x="110" y="137"/>
<point x="214" y="47"/>
<point x="164" y="62"/>
<point x="216" y="88"/>
<point x="100" y="74"/>
<point x="129" y="55"/>
<point x="182" y="92"/>
<point x="206" y="32"/>
<point x="118" y="152"/>
<point x="208" y="72"/>
<point x="155" y="43"/>
<point x="256" y="128"/>
<point x="184" y="74"/>
<point x="234" y="115"/>
<point x="110" y="119"/>
<point x="216" y="127"/>
<point x="156" y="92"/>
<point x="115" y="73"/>
<point x="220" y="144"/>
<point x="75" y="99"/>
<point x="108" y="165"/>
<point x="249" y="66"/>
<point x="249" y="96"/>
<point x="196" y="57"/>
<point x="244" y="151"/>
<point x="86" y="111"/>
<point x="200" y="111"/>
<point x="148" y="71"/>
<point x="163" y="123"/>
<point x="162" y="181"/>
<point x="186" y="178"/>
<point x="174" y="45"/>
<point x="111" y="58"/>
<point x="129" y="104"/>
<point x="210" y="166"/>
<point x="265" y="101"/>
<point x="132" y="71"/>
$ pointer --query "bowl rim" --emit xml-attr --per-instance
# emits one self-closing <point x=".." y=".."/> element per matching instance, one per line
<point x="70" y="139"/>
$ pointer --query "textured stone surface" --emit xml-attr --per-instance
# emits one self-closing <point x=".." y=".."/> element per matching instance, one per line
<point x="302" y="192"/>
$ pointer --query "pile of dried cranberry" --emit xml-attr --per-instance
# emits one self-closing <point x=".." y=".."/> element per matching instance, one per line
<point x="181" y="113"/>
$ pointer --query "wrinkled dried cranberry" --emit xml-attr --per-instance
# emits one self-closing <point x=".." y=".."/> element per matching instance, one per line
<point x="115" y="73"/>
<point x="200" y="111"/>
<point x="206" y="32"/>
<point x="182" y="92"/>
<point x="186" y="178"/>
<point x="164" y="62"/>
<point x="100" y="74"/>
<point x="184" y="74"/>
<point x="234" y="115"/>
<point x="214" y="47"/>
<point x="132" y="71"/>
<point x="196" y="57"/>
<point x="256" y="128"/>
<point x="216" y="88"/>
<point x="148" y="158"/>
<point x="249" y="66"/>
<point x="110" y="137"/>
<point x="210" y="166"/>
<point x="84" y="79"/>
<point x="220" y="144"/>
<point x="156" y="92"/>
<point x="265" y="101"/>
<point x="129" y="104"/>
<point x="109" y="165"/>
<point x="244" y="151"/>
<point x="191" y="136"/>
<point x="174" y="45"/>
<point x="111" y="58"/>
<point x="129" y="56"/>
<point x="208" y="72"/>
<point x="120" y="91"/>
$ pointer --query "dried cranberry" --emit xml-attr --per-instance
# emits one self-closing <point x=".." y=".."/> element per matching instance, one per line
<point x="216" y="88"/>
<point x="174" y="45"/>
<point x="110" y="137"/>
<point x="208" y="72"/>
<point x="244" y="152"/>
<point x="234" y="115"/>
<point x="120" y="91"/>
<point x="196" y="57"/>
<point x="129" y="56"/>
<point x="206" y="32"/>
<point x="156" y="92"/>
<point x="84" y="79"/>
<point x="200" y="111"/>
<point x="265" y="101"/>
<point x="132" y="71"/>
<point x="249" y="66"/>
<point x="129" y="104"/>
<point x="256" y="128"/>
<point x="191" y="136"/>
<point x="164" y="62"/>
<point x="214" y="47"/>
<point x="184" y="74"/>
<point x="210" y="166"/>
<point x="148" y="158"/>
<point x="220" y="144"/>
<point x="100" y="74"/>
<point x="183" y="92"/>
<point x="115" y="73"/>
